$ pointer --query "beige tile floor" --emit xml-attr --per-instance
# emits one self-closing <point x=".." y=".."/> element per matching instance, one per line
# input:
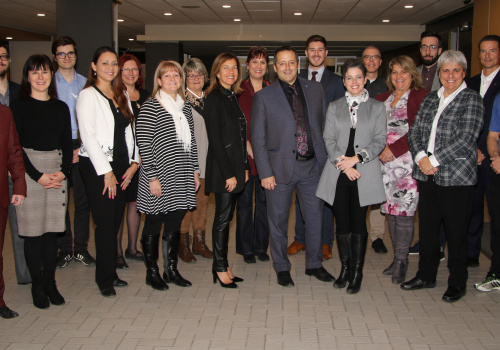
<point x="259" y="315"/>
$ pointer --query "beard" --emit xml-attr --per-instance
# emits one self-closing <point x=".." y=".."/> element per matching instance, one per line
<point x="3" y="71"/>
<point x="431" y="61"/>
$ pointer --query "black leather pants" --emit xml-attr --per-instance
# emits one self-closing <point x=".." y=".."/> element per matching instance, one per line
<point x="224" y="209"/>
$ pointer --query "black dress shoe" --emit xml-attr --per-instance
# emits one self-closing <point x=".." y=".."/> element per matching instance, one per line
<point x="263" y="257"/>
<point x="120" y="283"/>
<point x="379" y="246"/>
<point x="321" y="274"/>
<point x="108" y="292"/>
<point x="237" y="279"/>
<point x="249" y="259"/>
<point x="284" y="279"/>
<point x="473" y="263"/>
<point x="453" y="294"/>
<point x="416" y="283"/>
<point x="5" y="312"/>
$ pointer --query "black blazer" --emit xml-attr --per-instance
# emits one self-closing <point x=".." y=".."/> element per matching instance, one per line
<point x="13" y="91"/>
<point x="475" y="84"/>
<point x="227" y="142"/>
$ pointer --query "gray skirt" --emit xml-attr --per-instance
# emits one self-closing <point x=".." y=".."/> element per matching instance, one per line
<point x="43" y="210"/>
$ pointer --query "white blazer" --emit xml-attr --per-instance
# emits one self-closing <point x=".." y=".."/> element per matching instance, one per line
<point x="96" y="124"/>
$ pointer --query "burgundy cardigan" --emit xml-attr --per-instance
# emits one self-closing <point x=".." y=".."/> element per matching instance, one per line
<point x="401" y="146"/>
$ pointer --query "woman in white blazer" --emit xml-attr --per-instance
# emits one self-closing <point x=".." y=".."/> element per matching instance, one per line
<point x="109" y="158"/>
<point x="355" y="134"/>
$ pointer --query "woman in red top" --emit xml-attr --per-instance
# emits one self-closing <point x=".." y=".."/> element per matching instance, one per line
<point x="252" y="234"/>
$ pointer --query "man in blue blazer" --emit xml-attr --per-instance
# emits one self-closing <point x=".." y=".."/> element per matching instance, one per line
<point x="333" y="86"/>
<point x="487" y="84"/>
<point x="288" y="118"/>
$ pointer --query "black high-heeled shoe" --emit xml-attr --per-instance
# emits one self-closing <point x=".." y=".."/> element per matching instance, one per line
<point x="237" y="279"/>
<point x="231" y="285"/>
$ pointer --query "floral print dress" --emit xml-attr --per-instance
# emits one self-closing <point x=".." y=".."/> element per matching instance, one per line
<point x="400" y="187"/>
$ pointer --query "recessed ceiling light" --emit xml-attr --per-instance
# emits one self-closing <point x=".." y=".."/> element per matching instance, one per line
<point x="8" y="38"/>
<point x="408" y="6"/>
<point x="131" y="39"/>
<point x="120" y="20"/>
<point x="167" y="14"/>
<point x="297" y="14"/>
<point x="237" y="20"/>
<point x="40" y="14"/>
<point x="226" y="6"/>
<point x="385" y="20"/>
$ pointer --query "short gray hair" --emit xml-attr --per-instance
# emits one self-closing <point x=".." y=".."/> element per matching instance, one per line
<point x="450" y="56"/>
<point x="195" y="65"/>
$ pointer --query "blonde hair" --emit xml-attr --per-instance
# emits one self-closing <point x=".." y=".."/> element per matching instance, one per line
<point x="167" y="66"/>
<point x="407" y="64"/>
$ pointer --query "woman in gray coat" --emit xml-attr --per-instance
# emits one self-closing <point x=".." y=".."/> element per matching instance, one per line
<point x="355" y="134"/>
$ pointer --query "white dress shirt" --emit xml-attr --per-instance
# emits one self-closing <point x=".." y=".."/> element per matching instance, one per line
<point x="318" y="76"/>
<point x="443" y="103"/>
<point x="486" y="81"/>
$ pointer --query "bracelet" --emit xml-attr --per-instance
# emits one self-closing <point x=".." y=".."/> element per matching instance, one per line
<point x="153" y="179"/>
<point x="107" y="178"/>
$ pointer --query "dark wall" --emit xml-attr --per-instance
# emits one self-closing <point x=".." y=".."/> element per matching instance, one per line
<point x="89" y="23"/>
<point x="157" y="52"/>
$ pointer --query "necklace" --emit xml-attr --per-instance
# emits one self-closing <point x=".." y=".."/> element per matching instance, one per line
<point x="192" y="93"/>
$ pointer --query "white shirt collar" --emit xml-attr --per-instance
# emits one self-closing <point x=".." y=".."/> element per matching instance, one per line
<point x="450" y="98"/>
<point x="319" y="75"/>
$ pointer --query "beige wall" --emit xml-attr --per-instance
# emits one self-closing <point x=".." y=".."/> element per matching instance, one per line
<point x="19" y="53"/>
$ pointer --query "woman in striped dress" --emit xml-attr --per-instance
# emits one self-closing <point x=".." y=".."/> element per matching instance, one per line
<point x="169" y="176"/>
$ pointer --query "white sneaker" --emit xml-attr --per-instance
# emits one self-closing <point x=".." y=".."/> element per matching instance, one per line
<point x="490" y="283"/>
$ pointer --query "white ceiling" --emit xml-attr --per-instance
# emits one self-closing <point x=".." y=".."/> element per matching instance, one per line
<point x="22" y="14"/>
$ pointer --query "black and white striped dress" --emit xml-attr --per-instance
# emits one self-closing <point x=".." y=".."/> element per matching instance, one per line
<point x="164" y="157"/>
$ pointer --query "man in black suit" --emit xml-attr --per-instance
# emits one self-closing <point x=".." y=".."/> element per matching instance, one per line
<point x="488" y="85"/>
<point x="288" y="119"/>
<point x="8" y="93"/>
<point x="333" y="86"/>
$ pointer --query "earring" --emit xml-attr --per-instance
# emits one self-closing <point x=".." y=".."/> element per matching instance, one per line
<point x="95" y="73"/>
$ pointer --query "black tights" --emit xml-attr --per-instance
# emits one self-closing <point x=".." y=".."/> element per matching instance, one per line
<point x="41" y="255"/>
<point x="133" y="223"/>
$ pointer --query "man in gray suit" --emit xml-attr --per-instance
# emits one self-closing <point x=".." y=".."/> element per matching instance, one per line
<point x="288" y="118"/>
<point x="316" y="53"/>
<point x="430" y="49"/>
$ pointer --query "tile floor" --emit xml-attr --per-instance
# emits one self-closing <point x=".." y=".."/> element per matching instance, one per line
<point x="259" y="315"/>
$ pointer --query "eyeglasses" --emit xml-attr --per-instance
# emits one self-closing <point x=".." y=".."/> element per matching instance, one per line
<point x="63" y="55"/>
<point x="128" y="70"/>
<point x="431" y="47"/>
<point x="4" y="57"/>
<point x="194" y="76"/>
<point x="374" y="57"/>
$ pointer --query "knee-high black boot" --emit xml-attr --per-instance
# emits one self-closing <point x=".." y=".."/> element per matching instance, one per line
<point x="33" y="255"/>
<point x="358" y="250"/>
<point x="49" y="261"/>
<point x="344" y="245"/>
<point x="150" y="252"/>
<point x="171" y="275"/>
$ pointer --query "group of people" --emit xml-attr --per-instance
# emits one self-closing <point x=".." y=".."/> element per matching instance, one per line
<point x="419" y="139"/>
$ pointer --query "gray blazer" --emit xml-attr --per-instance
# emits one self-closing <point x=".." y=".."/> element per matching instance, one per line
<point x="273" y="129"/>
<point x="371" y="135"/>
<point x="436" y="83"/>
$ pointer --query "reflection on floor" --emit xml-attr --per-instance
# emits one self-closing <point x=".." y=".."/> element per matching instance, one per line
<point x="258" y="315"/>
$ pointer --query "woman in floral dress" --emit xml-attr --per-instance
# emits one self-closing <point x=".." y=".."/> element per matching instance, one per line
<point x="402" y="101"/>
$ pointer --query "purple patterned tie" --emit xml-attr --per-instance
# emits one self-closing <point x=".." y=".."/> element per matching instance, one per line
<point x="300" y="122"/>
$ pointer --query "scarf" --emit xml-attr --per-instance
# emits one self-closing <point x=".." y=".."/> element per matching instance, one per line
<point x="353" y="102"/>
<point x="181" y="124"/>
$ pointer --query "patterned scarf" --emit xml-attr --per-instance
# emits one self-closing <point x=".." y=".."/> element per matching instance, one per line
<point x="353" y="102"/>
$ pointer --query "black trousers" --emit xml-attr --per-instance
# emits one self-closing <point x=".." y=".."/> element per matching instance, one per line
<point x="252" y="230"/>
<point x="349" y="214"/>
<point x="495" y="213"/>
<point x="107" y="214"/>
<point x="453" y="206"/>
<point x="224" y="210"/>
<point x="81" y="217"/>
<point x="171" y="223"/>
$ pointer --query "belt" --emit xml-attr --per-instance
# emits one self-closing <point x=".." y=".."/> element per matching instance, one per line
<point x="304" y="158"/>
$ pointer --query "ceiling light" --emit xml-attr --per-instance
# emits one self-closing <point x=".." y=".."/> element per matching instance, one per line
<point x="226" y="6"/>
<point x="40" y="14"/>
<point x="8" y="38"/>
<point x="167" y="14"/>
<point x="131" y="39"/>
<point x="237" y="20"/>
<point x="120" y="20"/>
<point x="385" y="20"/>
<point x="408" y="6"/>
<point x="297" y="14"/>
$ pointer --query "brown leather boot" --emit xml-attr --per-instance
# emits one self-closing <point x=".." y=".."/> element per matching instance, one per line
<point x="184" y="250"/>
<point x="199" y="246"/>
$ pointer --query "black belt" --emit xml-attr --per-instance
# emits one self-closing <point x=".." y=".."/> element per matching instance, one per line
<point x="304" y="158"/>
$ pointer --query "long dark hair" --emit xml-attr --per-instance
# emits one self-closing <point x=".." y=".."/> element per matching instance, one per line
<point x="33" y="63"/>
<point x="116" y="85"/>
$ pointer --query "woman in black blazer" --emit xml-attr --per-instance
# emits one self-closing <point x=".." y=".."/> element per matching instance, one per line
<point x="227" y="165"/>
